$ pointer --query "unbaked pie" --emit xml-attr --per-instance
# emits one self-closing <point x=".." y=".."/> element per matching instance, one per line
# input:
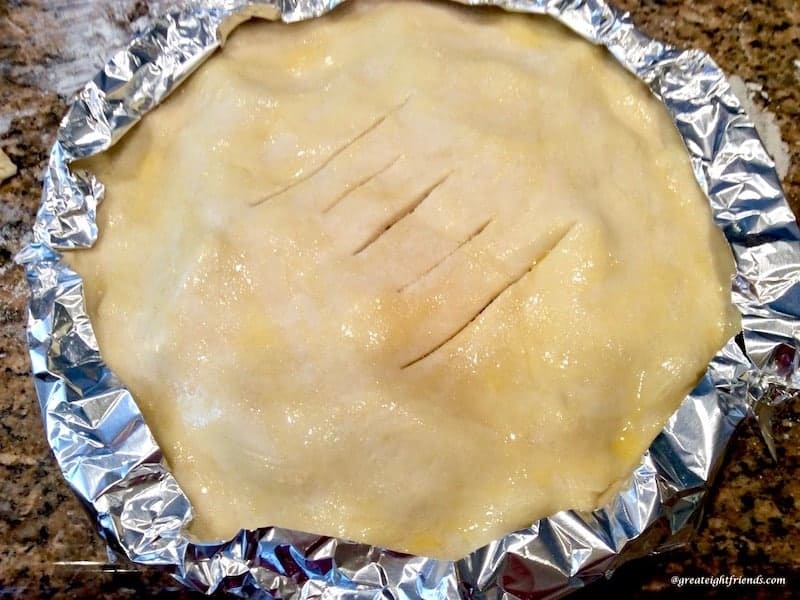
<point x="412" y="273"/>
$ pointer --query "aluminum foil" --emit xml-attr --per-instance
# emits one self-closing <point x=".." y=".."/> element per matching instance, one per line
<point x="111" y="460"/>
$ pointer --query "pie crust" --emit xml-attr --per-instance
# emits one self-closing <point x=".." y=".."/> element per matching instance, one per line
<point x="412" y="274"/>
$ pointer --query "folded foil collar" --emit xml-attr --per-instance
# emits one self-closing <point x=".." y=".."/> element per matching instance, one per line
<point x="109" y="456"/>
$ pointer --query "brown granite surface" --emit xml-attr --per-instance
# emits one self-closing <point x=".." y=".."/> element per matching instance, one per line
<point x="47" y="544"/>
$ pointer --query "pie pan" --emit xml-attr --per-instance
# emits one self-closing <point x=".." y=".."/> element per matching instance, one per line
<point x="111" y="460"/>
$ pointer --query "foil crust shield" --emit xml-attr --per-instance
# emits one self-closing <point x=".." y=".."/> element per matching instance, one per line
<point x="110" y="459"/>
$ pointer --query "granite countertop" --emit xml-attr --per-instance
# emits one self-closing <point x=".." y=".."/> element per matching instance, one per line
<point x="49" y="48"/>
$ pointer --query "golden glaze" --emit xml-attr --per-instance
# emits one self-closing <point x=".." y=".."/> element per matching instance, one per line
<point x="410" y="274"/>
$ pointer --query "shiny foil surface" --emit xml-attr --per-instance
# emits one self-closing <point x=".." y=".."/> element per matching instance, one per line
<point x="111" y="460"/>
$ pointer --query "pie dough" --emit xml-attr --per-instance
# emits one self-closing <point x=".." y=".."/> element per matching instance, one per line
<point x="412" y="274"/>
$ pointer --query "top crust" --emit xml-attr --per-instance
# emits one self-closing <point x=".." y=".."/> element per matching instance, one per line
<point x="412" y="274"/>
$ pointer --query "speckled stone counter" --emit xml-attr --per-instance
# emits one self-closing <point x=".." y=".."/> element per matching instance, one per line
<point x="48" y="547"/>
